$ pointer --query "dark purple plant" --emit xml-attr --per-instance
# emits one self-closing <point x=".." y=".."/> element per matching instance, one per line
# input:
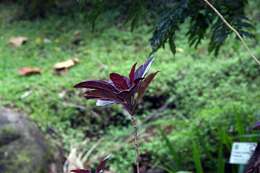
<point x="119" y="89"/>
<point x="253" y="165"/>
<point x="257" y="126"/>
<point x="100" y="168"/>
<point x="81" y="171"/>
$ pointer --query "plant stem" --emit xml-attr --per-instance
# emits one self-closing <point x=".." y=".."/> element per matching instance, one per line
<point x="136" y="145"/>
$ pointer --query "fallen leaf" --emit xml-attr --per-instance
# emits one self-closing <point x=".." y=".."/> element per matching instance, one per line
<point x="66" y="64"/>
<point x="27" y="71"/>
<point x="179" y="50"/>
<point x="18" y="41"/>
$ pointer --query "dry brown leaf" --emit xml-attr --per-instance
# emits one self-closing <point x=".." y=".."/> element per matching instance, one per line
<point x="27" y="71"/>
<point x="64" y="65"/>
<point x="18" y="41"/>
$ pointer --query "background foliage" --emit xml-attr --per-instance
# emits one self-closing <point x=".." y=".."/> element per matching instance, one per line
<point x="166" y="17"/>
<point x="196" y="96"/>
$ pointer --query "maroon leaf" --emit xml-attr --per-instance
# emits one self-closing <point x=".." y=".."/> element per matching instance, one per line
<point x="145" y="83"/>
<point x="119" y="81"/>
<point x="81" y="171"/>
<point x="101" y="167"/>
<point x="96" y="84"/>
<point x="102" y="164"/>
<point x="101" y="94"/>
<point x="120" y="89"/>
<point x="143" y="69"/>
<point x="129" y="102"/>
<point x="132" y="74"/>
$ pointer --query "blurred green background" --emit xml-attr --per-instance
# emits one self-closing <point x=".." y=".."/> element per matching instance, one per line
<point x="196" y="107"/>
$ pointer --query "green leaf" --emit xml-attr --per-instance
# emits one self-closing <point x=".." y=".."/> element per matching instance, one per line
<point x="197" y="157"/>
<point x="172" y="44"/>
<point x="221" y="160"/>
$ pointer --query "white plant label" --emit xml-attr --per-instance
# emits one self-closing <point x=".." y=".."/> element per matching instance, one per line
<point x="241" y="152"/>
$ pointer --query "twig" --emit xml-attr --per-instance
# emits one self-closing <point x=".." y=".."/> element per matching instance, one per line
<point x="234" y="30"/>
<point x="157" y="114"/>
<point x="72" y="105"/>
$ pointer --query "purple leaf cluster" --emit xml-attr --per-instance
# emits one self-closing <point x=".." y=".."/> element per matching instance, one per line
<point x="119" y="89"/>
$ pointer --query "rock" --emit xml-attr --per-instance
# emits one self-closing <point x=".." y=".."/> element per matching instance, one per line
<point x="23" y="147"/>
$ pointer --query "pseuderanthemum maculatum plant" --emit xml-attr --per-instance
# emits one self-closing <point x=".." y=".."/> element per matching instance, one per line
<point x="119" y="89"/>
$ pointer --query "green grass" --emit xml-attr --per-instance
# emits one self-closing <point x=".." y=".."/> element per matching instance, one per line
<point x="106" y="50"/>
<point x="201" y="87"/>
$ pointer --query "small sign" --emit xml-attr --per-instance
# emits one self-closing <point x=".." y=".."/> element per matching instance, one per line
<point x="242" y="152"/>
